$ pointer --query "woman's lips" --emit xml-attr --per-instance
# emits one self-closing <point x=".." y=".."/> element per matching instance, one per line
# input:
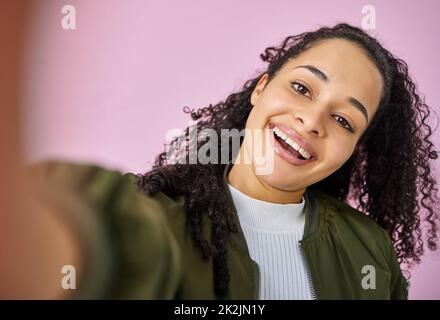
<point x="283" y="153"/>
<point x="296" y="138"/>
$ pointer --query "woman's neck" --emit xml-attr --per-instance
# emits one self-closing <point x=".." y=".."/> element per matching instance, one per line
<point x="242" y="177"/>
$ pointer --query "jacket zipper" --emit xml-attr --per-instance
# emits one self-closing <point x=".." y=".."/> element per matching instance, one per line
<point x="306" y="265"/>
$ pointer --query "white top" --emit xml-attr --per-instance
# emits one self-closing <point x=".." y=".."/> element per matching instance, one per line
<point x="272" y="232"/>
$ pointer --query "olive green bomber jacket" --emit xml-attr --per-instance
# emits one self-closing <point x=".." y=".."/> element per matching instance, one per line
<point x="140" y="247"/>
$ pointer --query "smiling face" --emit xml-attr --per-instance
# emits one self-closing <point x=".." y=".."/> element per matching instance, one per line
<point x="323" y="99"/>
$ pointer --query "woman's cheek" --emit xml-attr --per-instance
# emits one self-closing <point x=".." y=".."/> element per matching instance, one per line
<point x="341" y="152"/>
<point x="276" y="103"/>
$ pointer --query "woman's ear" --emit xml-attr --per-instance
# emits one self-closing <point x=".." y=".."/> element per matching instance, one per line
<point x="258" y="90"/>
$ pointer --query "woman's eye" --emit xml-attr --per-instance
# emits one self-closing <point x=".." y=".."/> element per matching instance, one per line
<point x="344" y="123"/>
<point x="301" y="89"/>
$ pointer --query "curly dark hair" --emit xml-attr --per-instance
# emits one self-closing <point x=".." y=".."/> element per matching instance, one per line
<point x="388" y="175"/>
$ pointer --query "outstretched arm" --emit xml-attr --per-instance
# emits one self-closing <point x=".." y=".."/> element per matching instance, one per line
<point x="117" y="240"/>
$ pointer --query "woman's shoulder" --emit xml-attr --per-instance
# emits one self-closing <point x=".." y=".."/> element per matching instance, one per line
<point x="363" y="237"/>
<point x="350" y="220"/>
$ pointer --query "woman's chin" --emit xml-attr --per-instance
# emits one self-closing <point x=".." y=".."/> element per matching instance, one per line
<point x="282" y="180"/>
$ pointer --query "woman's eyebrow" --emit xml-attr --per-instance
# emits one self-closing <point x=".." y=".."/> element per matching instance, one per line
<point x="322" y="76"/>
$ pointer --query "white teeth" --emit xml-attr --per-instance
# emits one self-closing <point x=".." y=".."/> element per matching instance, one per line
<point x="296" y="146"/>
<point x="290" y="142"/>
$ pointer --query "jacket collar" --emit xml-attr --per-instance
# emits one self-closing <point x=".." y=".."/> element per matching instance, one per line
<point x="311" y="211"/>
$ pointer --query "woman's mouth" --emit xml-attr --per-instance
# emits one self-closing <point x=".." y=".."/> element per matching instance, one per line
<point x="288" y="149"/>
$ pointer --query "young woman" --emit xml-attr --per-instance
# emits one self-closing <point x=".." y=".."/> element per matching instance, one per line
<point x="345" y="123"/>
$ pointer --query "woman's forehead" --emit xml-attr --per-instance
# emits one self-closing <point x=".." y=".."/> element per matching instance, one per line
<point x="336" y="57"/>
<point x="342" y="65"/>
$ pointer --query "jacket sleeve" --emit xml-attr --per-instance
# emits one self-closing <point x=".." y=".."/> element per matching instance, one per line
<point x="399" y="285"/>
<point x="128" y="249"/>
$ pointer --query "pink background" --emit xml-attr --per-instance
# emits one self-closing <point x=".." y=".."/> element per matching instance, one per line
<point x="109" y="91"/>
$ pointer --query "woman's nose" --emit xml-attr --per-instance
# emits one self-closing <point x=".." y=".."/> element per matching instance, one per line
<point x="311" y="123"/>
